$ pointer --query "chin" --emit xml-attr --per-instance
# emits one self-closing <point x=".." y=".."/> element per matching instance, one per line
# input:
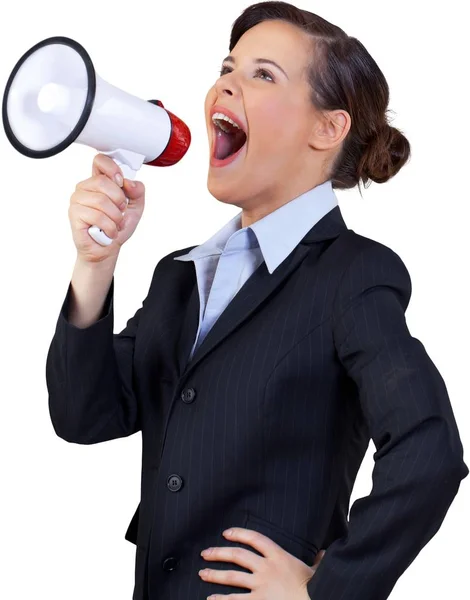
<point x="223" y="191"/>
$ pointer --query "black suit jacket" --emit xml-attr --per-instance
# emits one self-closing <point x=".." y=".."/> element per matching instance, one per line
<point x="266" y="427"/>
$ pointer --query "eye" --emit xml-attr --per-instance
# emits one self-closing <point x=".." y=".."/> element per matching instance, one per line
<point x="258" y="71"/>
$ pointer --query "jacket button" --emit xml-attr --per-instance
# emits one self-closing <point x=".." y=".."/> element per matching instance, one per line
<point x="169" y="563"/>
<point x="174" y="483"/>
<point x="188" y="395"/>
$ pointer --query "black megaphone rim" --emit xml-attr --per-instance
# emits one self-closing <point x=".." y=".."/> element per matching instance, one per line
<point x="90" y="98"/>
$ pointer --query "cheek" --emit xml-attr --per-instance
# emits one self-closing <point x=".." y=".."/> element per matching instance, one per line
<point x="273" y="125"/>
<point x="210" y="99"/>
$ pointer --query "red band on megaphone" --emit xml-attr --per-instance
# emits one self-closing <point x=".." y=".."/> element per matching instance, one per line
<point x="178" y="144"/>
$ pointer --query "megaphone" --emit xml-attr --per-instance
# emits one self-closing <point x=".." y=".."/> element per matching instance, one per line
<point x="54" y="97"/>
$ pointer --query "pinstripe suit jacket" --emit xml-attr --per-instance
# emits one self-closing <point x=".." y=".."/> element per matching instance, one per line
<point x="266" y="426"/>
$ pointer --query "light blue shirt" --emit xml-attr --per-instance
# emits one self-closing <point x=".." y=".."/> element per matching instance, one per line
<point x="225" y="261"/>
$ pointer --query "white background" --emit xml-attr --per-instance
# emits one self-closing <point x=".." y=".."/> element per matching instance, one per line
<point x="65" y="507"/>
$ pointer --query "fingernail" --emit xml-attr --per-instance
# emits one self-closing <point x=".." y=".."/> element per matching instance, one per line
<point x="133" y="184"/>
<point x="119" y="180"/>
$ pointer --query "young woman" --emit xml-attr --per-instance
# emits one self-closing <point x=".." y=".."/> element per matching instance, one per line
<point x="264" y="360"/>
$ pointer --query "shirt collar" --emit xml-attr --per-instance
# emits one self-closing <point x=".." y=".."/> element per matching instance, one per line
<point x="277" y="233"/>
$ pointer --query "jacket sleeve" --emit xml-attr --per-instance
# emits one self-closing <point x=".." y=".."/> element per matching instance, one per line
<point x="89" y="375"/>
<point x="418" y="463"/>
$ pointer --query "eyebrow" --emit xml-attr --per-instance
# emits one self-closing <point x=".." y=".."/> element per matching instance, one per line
<point x="230" y="59"/>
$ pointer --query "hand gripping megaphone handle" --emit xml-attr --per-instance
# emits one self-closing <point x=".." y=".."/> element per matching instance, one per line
<point x="129" y="163"/>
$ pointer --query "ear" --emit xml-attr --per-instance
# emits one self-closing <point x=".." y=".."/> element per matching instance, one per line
<point x="330" y="129"/>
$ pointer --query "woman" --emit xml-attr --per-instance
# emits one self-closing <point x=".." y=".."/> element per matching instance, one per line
<point x="263" y="361"/>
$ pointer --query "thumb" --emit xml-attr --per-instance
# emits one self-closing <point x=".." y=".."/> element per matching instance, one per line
<point x="318" y="557"/>
<point x="133" y="192"/>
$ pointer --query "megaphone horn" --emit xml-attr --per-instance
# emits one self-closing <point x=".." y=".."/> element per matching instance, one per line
<point x="54" y="97"/>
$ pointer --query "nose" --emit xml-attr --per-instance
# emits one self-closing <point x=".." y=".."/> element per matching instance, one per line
<point x="226" y="85"/>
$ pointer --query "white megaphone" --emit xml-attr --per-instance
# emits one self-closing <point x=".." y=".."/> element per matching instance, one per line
<point x="54" y="97"/>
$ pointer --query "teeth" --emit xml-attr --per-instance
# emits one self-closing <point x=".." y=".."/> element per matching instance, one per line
<point x="221" y="117"/>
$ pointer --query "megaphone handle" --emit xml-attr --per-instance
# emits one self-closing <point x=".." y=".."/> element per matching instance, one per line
<point x="98" y="234"/>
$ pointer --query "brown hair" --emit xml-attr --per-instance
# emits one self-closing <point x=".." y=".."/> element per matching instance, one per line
<point x="342" y="75"/>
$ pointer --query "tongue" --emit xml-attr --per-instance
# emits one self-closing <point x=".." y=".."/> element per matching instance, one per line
<point x="228" y="143"/>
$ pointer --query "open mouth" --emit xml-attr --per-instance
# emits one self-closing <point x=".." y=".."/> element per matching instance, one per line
<point x="229" y="139"/>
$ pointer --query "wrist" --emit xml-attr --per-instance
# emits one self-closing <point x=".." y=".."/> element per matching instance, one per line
<point x="104" y="265"/>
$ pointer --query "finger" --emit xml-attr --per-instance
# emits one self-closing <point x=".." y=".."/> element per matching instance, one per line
<point x="235" y="578"/>
<point x="239" y="556"/>
<point x="99" y="202"/>
<point x="242" y="596"/>
<point x="90" y="216"/>
<point x="104" y="185"/>
<point x="257" y="540"/>
<point x="319" y="557"/>
<point x="105" y="165"/>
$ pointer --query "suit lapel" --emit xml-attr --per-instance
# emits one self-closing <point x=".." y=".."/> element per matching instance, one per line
<point x="256" y="289"/>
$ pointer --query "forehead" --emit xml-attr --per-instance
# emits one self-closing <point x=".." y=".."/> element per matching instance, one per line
<point x="279" y="41"/>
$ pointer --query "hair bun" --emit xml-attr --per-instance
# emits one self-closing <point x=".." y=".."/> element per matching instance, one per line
<point x="385" y="154"/>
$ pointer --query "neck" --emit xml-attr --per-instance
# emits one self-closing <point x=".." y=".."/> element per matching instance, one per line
<point x="256" y="208"/>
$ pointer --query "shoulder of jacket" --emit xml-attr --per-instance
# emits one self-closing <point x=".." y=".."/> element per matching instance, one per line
<point x="371" y="249"/>
<point x="371" y="263"/>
